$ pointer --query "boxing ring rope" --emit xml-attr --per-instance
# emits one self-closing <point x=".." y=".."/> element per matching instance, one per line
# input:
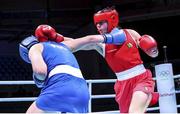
<point x="90" y="82"/>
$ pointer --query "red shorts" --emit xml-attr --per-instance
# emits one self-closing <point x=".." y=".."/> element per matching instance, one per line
<point x="124" y="89"/>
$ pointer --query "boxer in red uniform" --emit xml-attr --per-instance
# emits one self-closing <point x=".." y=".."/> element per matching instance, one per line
<point x="134" y="87"/>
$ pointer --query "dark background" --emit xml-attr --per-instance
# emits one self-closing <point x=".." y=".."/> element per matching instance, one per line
<point x="19" y="18"/>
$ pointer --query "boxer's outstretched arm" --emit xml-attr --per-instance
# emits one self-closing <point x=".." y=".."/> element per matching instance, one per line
<point x="90" y="42"/>
<point x="81" y="43"/>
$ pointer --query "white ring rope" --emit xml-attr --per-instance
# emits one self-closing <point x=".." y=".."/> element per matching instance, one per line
<point x="18" y="99"/>
<point x="90" y="82"/>
<point x="16" y="82"/>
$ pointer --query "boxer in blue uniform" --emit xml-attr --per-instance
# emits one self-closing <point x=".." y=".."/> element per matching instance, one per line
<point x="56" y="71"/>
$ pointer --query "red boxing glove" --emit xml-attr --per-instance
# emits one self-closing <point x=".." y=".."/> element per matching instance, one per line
<point x="46" y="32"/>
<point x="148" y="45"/>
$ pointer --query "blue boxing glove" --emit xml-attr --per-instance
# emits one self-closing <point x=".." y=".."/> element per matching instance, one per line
<point x="39" y="79"/>
<point x="116" y="36"/>
<point x="25" y="45"/>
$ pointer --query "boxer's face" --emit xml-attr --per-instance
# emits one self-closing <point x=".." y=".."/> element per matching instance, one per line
<point x="102" y="27"/>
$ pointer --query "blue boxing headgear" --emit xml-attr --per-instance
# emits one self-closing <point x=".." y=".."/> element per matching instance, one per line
<point x="25" y="45"/>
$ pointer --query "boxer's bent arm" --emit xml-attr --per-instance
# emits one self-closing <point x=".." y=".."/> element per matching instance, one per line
<point x="150" y="42"/>
<point x="135" y="35"/>
<point x="38" y="64"/>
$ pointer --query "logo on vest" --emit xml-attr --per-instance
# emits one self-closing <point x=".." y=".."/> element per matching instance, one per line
<point x="129" y="45"/>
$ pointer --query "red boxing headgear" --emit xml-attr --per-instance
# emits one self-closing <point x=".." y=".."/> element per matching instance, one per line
<point x="110" y="15"/>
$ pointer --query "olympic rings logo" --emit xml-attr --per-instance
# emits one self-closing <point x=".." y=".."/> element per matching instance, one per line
<point x="164" y="74"/>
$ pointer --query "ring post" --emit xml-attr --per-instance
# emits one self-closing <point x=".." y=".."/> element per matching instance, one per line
<point x="166" y="89"/>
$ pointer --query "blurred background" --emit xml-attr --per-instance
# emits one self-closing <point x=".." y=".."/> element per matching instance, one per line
<point x="74" y="18"/>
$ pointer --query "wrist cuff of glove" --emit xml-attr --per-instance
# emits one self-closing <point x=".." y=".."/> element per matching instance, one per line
<point x="39" y="80"/>
<point x="59" y="38"/>
<point x="107" y="38"/>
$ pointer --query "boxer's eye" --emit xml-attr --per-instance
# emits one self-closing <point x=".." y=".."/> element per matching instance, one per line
<point x="101" y="22"/>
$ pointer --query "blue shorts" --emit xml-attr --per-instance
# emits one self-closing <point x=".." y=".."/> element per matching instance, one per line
<point x="64" y="93"/>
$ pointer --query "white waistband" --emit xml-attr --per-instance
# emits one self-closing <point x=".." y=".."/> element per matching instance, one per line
<point x="130" y="73"/>
<point x="66" y="69"/>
